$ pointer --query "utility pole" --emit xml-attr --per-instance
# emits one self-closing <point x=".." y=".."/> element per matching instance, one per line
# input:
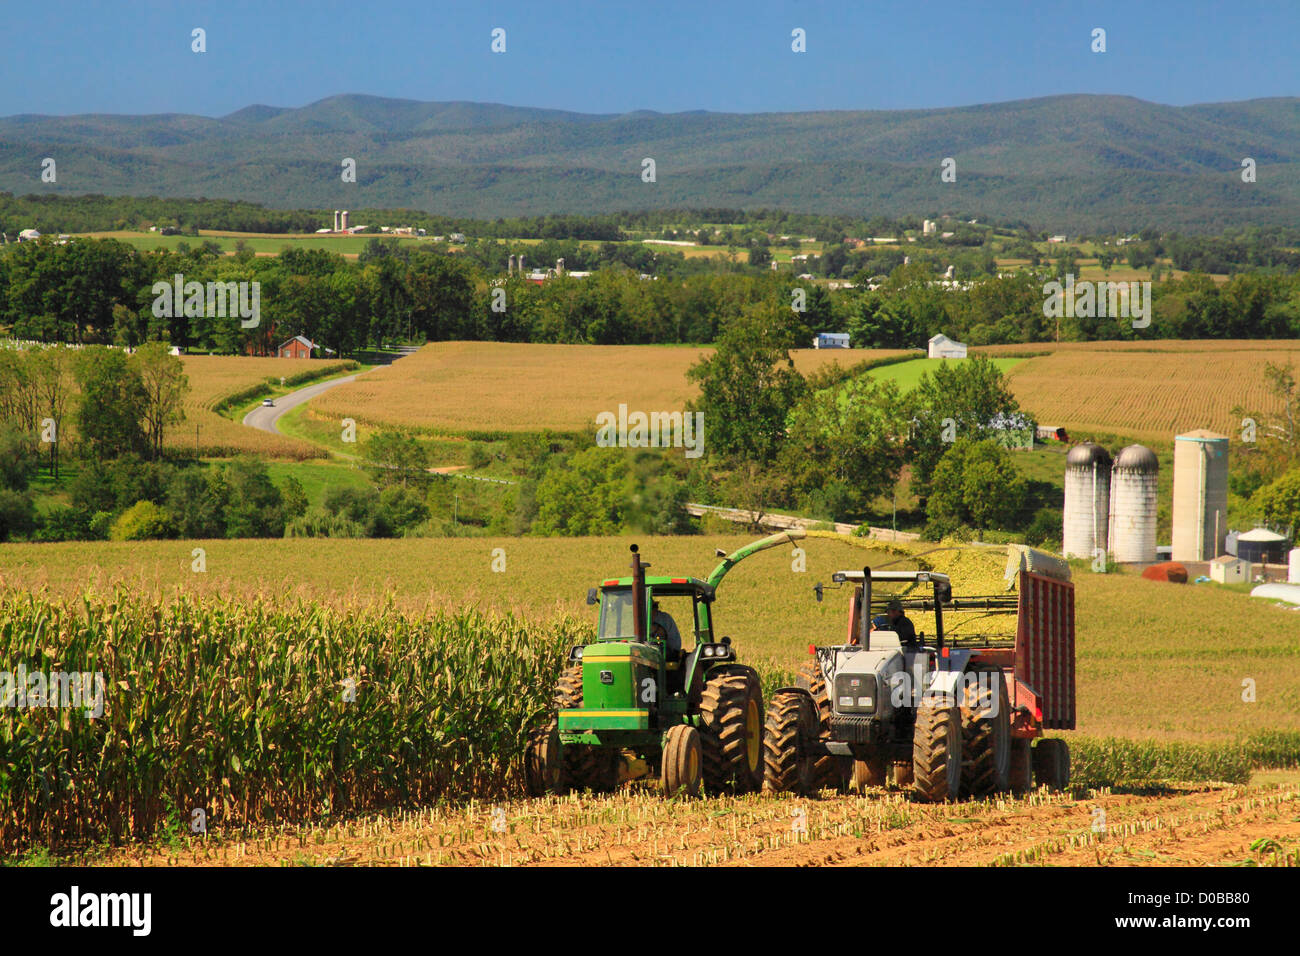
<point x="455" y="509"/>
<point x="196" y="441"/>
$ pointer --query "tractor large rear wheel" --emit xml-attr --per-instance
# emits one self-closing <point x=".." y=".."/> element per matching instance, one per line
<point x="936" y="750"/>
<point x="827" y="771"/>
<point x="731" y="731"/>
<point x="586" y="767"/>
<point x="986" y="732"/>
<point x="791" y="719"/>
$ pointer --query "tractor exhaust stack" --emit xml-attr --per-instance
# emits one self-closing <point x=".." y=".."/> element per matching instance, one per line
<point x="639" y="623"/>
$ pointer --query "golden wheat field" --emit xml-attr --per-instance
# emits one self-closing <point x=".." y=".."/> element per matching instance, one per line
<point x="451" y="387"/>
<point x="216" y="378"/>
<point x="1154" y="659"/>
<point x="1149" y="395"/>
<point x="1146" y="390"/>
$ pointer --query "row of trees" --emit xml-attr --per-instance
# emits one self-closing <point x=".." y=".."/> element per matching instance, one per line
<point x="116" y="403"/>
<point x="102" y="291"/>
<point x="100" y="403"/>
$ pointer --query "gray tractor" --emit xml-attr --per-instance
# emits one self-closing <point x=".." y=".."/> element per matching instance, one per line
<point x="934" y="714"/>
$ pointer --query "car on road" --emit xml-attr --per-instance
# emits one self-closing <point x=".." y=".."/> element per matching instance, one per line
<point x="268" y="403"/>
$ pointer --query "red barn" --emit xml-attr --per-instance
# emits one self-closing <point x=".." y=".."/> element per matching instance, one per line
<point x="297" y="347"/>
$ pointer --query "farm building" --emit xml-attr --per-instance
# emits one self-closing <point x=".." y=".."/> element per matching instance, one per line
<point x="297" y="347"/>
<point x="1226" y="569"/>
<point x="1263" y="547"/>
<point x="943" y="347"/>
<point x="28" y="235"/>
<point x="831" y="340"/>
<point x="1200" y="505"/>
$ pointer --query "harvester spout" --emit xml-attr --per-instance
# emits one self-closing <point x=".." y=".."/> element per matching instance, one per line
<point x="762" y="544"/>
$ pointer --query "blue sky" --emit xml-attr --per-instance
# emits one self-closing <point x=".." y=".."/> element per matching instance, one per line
<point x="666" y="55"/>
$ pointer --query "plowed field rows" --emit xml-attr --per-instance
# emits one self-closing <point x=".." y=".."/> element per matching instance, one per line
<point x="1204" y="825"/>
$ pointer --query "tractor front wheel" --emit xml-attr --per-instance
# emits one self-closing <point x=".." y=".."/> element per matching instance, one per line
<point x="683" y="761"/>
<point x="902" y="774"/>
<point x="827" y="772"/>
<point x="871" y="772"/>
<point x="731" y="731"/>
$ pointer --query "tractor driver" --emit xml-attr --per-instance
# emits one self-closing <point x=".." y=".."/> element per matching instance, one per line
<point x="664" y="627"/>
<point x="895" y="620"/>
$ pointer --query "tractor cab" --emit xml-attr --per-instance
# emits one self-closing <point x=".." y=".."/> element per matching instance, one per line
<point x="875" y="676"/>
<point x="679" y="626"/>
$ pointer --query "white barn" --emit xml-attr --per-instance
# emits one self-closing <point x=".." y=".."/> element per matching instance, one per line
<point x="831" y="340"/>
<point x="943" y="347"/>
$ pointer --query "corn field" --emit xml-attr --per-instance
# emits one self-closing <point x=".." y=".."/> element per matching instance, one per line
<point x="253" y="713"/>
<point x="1111" y="761"/>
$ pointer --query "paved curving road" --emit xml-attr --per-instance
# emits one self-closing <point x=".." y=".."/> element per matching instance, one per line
<point x="265" y="418"/>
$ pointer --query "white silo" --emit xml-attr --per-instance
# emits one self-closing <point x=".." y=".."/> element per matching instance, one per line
<point x="1293" y="567"/>
<point x="1087" y="500"/>
<point x="1134" y="483"/>
<point x="1200" y="517"/>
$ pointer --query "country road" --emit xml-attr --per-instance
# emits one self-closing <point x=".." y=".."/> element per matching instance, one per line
<point x="264" y="418"/>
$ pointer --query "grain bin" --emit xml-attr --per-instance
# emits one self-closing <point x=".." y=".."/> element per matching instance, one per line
<point x="1200" y="495"/>
<point x="1087" y="500"/>
<point x="1262" y="546"/>
<point x="1133" y="508"/>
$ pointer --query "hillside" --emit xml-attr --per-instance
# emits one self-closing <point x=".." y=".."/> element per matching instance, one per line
<point x="1074" y="163"/>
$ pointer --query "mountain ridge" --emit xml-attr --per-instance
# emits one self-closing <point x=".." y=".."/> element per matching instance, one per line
<point x="1078" y="162"/>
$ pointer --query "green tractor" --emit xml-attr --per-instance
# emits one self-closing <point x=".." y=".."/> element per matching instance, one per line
<point x="637" y="702"/>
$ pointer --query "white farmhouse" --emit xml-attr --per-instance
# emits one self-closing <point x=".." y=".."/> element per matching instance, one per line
<point x="831" y="340"/>
<point x="943" y="347"/>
